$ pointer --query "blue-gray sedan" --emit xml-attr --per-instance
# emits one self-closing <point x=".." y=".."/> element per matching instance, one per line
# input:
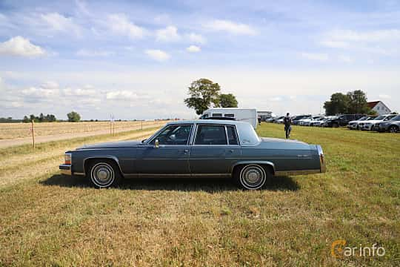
<point x="200" y="148"/>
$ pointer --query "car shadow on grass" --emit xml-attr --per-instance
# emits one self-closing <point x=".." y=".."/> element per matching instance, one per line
<point x="282" y="183"/>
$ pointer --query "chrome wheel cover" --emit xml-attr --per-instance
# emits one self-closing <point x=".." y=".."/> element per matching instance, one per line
<point x="102" y="174"/>
<point x="252" y="177"/>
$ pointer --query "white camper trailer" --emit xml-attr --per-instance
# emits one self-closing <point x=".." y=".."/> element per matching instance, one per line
<point x="239" y="114"/>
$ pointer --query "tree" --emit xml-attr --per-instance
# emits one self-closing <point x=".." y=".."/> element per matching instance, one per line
<point x="338" y="104"/>
<point x="202" y="94"/>
<point x="26" y="119"/>
<point x="357" y="102"/>
<point x="73" y="116"/>
<point x="228" y="101"/>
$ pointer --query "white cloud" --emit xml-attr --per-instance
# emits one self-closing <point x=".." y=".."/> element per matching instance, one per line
<point x="345" y="59"/>
<point x="94" y="53"/>
<point x="120" y="24"/>
<point x="168" y="34"/>
<point x="19" y="46"/>
<point x="367" y="36"/>
<point x="59" y="23"/>
<point x="157" y="55"/>
<point x="122" y="95"/>
<point x="383" y="96"/>
<point x="231" y="27"/>
<point x="196" y="38"/>
<point x="334" y="44"/>
<point x="315" y="56"/>
<point x="79" y="92"/>
<point x="40" y="92"/>
<point x="49" y="85"/>
<point x="193" y="49"/>
<point x="275" y="99"/>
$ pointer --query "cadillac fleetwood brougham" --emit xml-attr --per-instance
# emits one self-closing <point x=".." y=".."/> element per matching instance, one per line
<point x="200" y="148"/>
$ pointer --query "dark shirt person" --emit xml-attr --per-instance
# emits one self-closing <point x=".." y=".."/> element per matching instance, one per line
<point x="288" y="128"/>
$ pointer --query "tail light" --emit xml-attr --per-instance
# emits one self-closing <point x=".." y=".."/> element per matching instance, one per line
<point x="68" y="158"/>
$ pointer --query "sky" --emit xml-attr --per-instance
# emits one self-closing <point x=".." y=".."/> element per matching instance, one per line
<point x="136" y="59"/>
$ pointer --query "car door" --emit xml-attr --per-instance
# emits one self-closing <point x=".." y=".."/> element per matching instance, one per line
<point x="171" y="157"/>
<point x="211" y="152"/>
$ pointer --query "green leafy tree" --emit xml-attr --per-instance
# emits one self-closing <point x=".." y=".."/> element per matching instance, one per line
<point x="357" y="102"/>
<point x="73" y="116"/>
<point x="25" y="119"/>
<point x="339" y="103"/>
<point x="228" y="101"/>
<point x="202" y="94"/>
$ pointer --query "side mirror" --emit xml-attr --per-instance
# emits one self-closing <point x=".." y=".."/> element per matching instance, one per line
<point x="143" y="140"/>
<point x="156" y="143"/>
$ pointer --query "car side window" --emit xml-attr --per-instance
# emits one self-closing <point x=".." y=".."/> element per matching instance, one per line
<point x="210" y="135"/>
<point x="174" y="135"/>
<point x="232" y="137"/>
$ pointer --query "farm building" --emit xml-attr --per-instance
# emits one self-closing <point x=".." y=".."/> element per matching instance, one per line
<point x="379" y="107"/>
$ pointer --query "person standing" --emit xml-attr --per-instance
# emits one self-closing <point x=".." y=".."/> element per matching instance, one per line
<point x="288" y="125"/>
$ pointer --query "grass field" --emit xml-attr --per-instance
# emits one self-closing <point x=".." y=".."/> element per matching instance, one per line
<point x="48" y="219"/>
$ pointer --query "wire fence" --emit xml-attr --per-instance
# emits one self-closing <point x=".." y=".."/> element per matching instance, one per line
<point x="24" y="130"/>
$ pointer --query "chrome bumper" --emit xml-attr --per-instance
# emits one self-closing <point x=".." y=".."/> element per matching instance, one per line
<point x="321" y="158"/>
<point x="65" y="169"/>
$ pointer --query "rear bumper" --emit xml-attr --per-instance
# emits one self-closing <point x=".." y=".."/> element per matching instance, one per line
<point x="65" y="169"/>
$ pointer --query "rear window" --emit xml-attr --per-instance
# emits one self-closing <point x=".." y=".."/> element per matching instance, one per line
<point x="247" y="135"/>
<point x="217" y="114"/>
<point x="229" y="115"/>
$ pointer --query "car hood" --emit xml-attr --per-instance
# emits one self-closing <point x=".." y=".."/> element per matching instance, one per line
<point x="373" y="121"/>
<point x="276" y="143"/>
<point x="121" y="144"/>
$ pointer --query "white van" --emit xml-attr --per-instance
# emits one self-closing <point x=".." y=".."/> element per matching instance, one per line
<point x="239" y="114"/>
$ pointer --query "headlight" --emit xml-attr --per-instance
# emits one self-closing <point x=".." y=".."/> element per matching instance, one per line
<point x="68" y="158"/>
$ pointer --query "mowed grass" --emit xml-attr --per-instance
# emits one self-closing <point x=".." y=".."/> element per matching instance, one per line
<point x="49" y="219"/>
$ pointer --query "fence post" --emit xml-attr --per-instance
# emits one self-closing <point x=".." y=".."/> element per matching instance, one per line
<point x="33" y="134"/>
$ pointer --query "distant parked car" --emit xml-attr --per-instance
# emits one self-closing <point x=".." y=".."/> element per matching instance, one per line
<point x="342" y="120"/>
<point x="201" y="148"/>
<point x="278" y="119"/>
<point x="392" y="125"/>
<point x="316" y="120"/>
<point x="304" y="121"/>
<point x="370" y="125"/>
<point x="297" y="119"/>
<point x="354" y="125"/>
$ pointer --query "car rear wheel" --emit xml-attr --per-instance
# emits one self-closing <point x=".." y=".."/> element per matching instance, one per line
<point x="393" y="129"/>
<point x="251" y="176"/>
<point x="104" y="174"/>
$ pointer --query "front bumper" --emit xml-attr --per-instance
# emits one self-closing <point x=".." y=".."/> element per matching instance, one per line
<point x="65" y="169"/>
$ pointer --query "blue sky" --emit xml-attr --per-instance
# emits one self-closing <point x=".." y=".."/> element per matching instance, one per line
<point x="135" y="59"/>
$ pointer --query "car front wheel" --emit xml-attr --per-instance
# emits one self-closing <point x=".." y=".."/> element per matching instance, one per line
<point x="393" y="129"/>
<point x="104" y="174"/>
<point x="251" y="176"/>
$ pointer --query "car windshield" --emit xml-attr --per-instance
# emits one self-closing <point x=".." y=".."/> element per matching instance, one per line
<point x="397" y="118"/>
<point x="379" y="118"/>
<point x="363" y="119"/>
<point x="389" y="117"/>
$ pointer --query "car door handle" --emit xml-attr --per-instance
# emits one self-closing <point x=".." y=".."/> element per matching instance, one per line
<point x="185" y="151"/>
<point x="230" y="150"/>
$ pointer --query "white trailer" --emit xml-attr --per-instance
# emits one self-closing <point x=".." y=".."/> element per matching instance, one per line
<point x="239" y="114"/>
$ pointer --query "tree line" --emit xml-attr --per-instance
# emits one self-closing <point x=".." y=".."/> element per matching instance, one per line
<point x="72" y="117"/>
<point x="354" y="102"/>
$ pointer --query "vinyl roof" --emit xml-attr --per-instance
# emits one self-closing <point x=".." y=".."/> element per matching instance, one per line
<point x="209" y="122"/>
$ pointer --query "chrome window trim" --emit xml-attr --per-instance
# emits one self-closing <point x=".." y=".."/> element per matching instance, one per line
<point x="205" y="124"/>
